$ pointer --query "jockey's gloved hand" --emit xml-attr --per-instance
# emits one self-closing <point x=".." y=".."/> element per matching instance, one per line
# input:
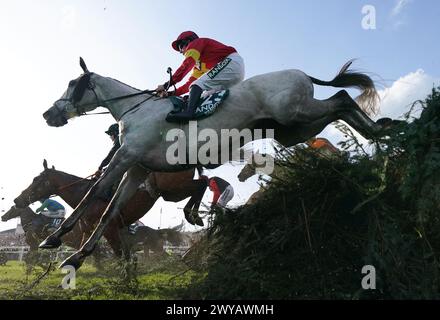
<point x="98" y="173"/>
<point x="163" y="94"/>
<point x="160" y="88"/>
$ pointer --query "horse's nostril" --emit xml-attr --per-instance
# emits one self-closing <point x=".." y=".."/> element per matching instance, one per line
<point x="46" y="115"/>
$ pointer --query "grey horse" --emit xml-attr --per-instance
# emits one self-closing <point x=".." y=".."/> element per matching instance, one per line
<point x="282" y="101"/>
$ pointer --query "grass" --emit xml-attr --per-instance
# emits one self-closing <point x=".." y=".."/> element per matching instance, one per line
<point x="157" y="280"/>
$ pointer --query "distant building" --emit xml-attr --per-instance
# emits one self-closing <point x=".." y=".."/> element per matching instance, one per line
<point x="12" y="237"/>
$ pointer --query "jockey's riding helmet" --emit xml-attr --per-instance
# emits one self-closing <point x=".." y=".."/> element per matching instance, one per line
<point x="113" y="129"/>
<point x="184" y="38"/>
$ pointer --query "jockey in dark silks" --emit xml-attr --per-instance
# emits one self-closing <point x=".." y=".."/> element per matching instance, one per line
<point x="113" y="132"/>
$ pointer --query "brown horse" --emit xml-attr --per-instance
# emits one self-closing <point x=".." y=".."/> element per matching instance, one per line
<point x="37" y="227"/>
<point x="146" y="239"/>
<point x="171" y="186"/>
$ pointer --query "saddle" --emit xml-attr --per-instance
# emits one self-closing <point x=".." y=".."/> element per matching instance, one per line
<point x="52" y="223"/>
<point x="206" y="106"/>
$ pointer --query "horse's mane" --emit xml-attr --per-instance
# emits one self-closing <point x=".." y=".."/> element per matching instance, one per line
<point x="65" y="174"/>
<point x="73" y="178"/>
<point x="124" y="83"/>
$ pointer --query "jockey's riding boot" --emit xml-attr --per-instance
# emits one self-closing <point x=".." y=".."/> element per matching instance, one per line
<point x="193" y="100"/>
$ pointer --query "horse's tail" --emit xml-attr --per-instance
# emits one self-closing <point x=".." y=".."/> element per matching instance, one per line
<point x="369" y="98"/>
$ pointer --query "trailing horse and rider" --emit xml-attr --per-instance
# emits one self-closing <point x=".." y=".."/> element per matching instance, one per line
<point x="171" y="186"/>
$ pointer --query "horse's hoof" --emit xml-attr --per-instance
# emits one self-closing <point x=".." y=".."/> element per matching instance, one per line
<point x="74" y="261"/>
<point x="189" y="218"/>
<point x="198" y="221"/>
<point x="51" y="242"/>
<point x="384" y="122"/>
<point x="388" y="124"/>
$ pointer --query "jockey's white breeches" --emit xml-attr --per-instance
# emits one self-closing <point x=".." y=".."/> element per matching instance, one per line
<point x="224" y="75"/>
<point x="226" y="196"/>
<point x="54" y="214"/>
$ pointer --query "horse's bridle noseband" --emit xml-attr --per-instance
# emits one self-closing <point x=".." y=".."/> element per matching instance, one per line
<point x="83" y="84"/>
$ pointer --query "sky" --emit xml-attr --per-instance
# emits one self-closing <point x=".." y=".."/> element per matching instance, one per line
<point x="41" y="42"/>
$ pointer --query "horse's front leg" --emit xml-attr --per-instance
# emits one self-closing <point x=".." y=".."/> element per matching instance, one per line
<point x="125" y="191"/>
<point x="120" y="163"/>
<point x="113" y="236"/>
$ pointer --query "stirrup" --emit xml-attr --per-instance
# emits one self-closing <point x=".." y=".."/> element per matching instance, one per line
<point x="178" y="118"/>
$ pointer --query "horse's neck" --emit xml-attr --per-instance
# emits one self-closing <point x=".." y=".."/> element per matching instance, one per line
<point x="110" y="88"/>
<point x="71" y="188"/>
<point x="27" y="216"/>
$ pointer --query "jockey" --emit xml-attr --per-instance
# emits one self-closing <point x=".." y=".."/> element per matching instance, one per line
<point x="223" y="191"/>
<point x="323" y="146"/>
<point x="55" y="210"/>
<point x="113" y="132"/>
<point x="214" y="65"/>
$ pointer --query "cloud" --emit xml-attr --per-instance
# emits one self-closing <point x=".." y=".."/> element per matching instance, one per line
<point x="397" y="99"/>
<point x="398" y="7"/>
<point x="397" y="13"/>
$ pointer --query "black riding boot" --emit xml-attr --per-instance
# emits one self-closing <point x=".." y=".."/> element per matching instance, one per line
<point x="193" y="100"/>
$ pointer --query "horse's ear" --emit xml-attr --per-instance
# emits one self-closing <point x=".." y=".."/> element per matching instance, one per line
<point x="53" y="167"/>
<point x="83" y="65"/>
<point x="45" y="164"/>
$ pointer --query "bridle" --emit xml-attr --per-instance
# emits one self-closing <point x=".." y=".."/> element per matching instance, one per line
<point x="84" y="83"/>
<point x="31" y="195"/>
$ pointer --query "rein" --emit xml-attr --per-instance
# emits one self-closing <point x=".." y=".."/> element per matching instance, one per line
<point x="91" y="86"/>
<point x="151" y="92"/>
<point x="101" y="102"/>
<point x="135" y="107"/>
<point x="75" y="182"/>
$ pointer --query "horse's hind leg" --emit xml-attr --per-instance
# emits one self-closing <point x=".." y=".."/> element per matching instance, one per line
<point x="352" y="114"/>
<point x="339" y="106"/>
<point x="127" y="188"/>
